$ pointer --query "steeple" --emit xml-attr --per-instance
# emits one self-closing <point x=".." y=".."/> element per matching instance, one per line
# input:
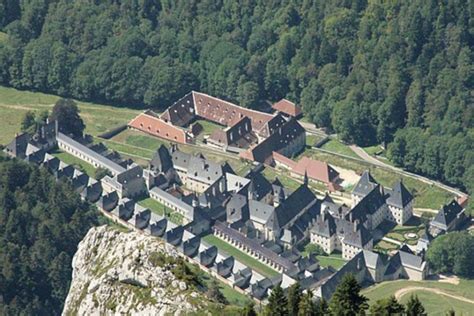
<point x="305" y="180"/>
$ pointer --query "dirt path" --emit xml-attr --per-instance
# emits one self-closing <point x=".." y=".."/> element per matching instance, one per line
<point x="406" y="290"/>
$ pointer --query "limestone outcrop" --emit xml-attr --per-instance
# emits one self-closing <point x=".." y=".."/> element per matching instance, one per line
<point x="120" y="273"/>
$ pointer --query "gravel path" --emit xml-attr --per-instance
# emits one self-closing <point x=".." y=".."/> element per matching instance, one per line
<point x="406" y="290"/>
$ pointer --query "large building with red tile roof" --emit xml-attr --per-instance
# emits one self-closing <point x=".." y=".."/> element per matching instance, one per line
<point x="226" y="113"/>
<point x="151" y="124"/>
<point x="288" y="108"/>
<point x="244" y="126"/>
<point x="316" y="170"/>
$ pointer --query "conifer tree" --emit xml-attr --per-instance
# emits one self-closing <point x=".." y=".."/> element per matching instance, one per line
<point x="414" y="307"/>
<point x="347" y="299"/>
<point x="294" y="298"/>
<point x="277" y="303"/>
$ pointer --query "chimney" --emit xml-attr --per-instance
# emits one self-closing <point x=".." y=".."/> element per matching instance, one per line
<point x="355" y="225"/>
<point x="350" y="216"/>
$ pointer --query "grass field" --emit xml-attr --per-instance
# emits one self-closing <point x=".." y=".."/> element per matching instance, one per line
<point x="15" y="103"/>
<point x="334" y="261"/>
<point x="312" y="139"/>
<point x="251" y="262"/>
<point x="208" y="128"/>
<point x="232" y="296"/>
<point x="426" y="195"/>
<point x="78" y="163"/>
<point x="160" y="209"/>
<point x="434" y="304"/>
<point x="338" y="147"/>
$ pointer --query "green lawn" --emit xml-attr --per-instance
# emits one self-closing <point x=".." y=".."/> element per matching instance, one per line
<point x="426" y="195"/>
<point x="208" y="128"/>
<point x="385" y="246"/>
<point x="160" y="209"/>
<point x="373" y="150"/>
<point x="333" y="260"/>
<point x="312" y="139"/>
<point x="233" y="297"/>
<point x="338" y="147"/>
<point x="15" y="103"/>
<point x="434" y="304"/>
<point x="244" y="258"/>
<point x="78" y="163"/>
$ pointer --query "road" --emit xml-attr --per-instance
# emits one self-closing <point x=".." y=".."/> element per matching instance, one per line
<point x="406" y="290"/>
<point x="311" y="128"/>
<point x="370" y="159"/>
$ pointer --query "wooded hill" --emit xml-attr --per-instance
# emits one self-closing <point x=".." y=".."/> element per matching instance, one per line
<point x="398" y="72"/>
<point x="41" y="224"/>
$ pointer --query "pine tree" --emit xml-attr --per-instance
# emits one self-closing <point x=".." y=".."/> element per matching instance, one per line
<point x="277" y="303"/>
<point x="414" y="307"/>
<point x="215" y="294"/>
<point x="347" y="300"/>
<point x="386" y="307"/>
<point x="249" y="309"/>
<point x="306" y="306"/>
<point x="322" y="307"/>
<point x="294" y="298"/>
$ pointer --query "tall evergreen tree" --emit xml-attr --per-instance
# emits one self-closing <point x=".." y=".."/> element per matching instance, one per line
<point x="294" y="298"/>
<point x="387" y="307"/>
<point x="414" y="307"/>
<point x="277" y="303"/>
<point x="347" y="299"/>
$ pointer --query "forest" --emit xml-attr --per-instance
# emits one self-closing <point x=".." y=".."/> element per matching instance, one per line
<point x="41" y="224"/>
<point x="397" y="73"/>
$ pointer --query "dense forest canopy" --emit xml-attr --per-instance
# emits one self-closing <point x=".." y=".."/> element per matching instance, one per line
<point x="41" y="224"/>
<point x="387" y="72"/>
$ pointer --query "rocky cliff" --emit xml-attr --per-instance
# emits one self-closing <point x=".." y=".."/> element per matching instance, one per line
<point x="128" y="273"/>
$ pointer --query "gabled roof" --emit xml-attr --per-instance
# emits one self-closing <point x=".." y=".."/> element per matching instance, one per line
<point x="162" y="160"/>
<point x="365" y="185"/>
<point x="277" y="141"/>
<point x="287" y="107"/>
<point x="447" y="214"/>
<point x="398" y="196"/>
<point x="225" y="113"/>
<point x="272" y="125"/>
<point x="325" y="225"/>
<point x="302" y="198"/>
<point x="373" y="260"/>
<point x="369" y="204"/>
<point x="317" y="170"/>
<point x="359" y="236"/>
<point x="17" y="147"/>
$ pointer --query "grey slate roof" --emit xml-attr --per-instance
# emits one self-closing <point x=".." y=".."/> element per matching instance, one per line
<point x="398" y="196"/>
<point x="325" y="225"/>
<point x="355" y="266"/>
<point x="109" y="164"/>
<point x="447" y="214"/>
<point x="359" y="236"/>
<point x="369" y="204"/>
<point x="365" y="185"/>
<point x="260" y="211"/>
<point x="17" y="147"/>
<point x="373" y="260"/>
<point x="302" y="198"/>
<point x="161" y="161"/>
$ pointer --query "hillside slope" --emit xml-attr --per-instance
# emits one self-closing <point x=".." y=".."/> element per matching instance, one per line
<point x="124" y="273"/>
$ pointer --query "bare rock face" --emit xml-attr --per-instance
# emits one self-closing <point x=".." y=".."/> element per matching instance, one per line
<point x="114" y="273"/>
